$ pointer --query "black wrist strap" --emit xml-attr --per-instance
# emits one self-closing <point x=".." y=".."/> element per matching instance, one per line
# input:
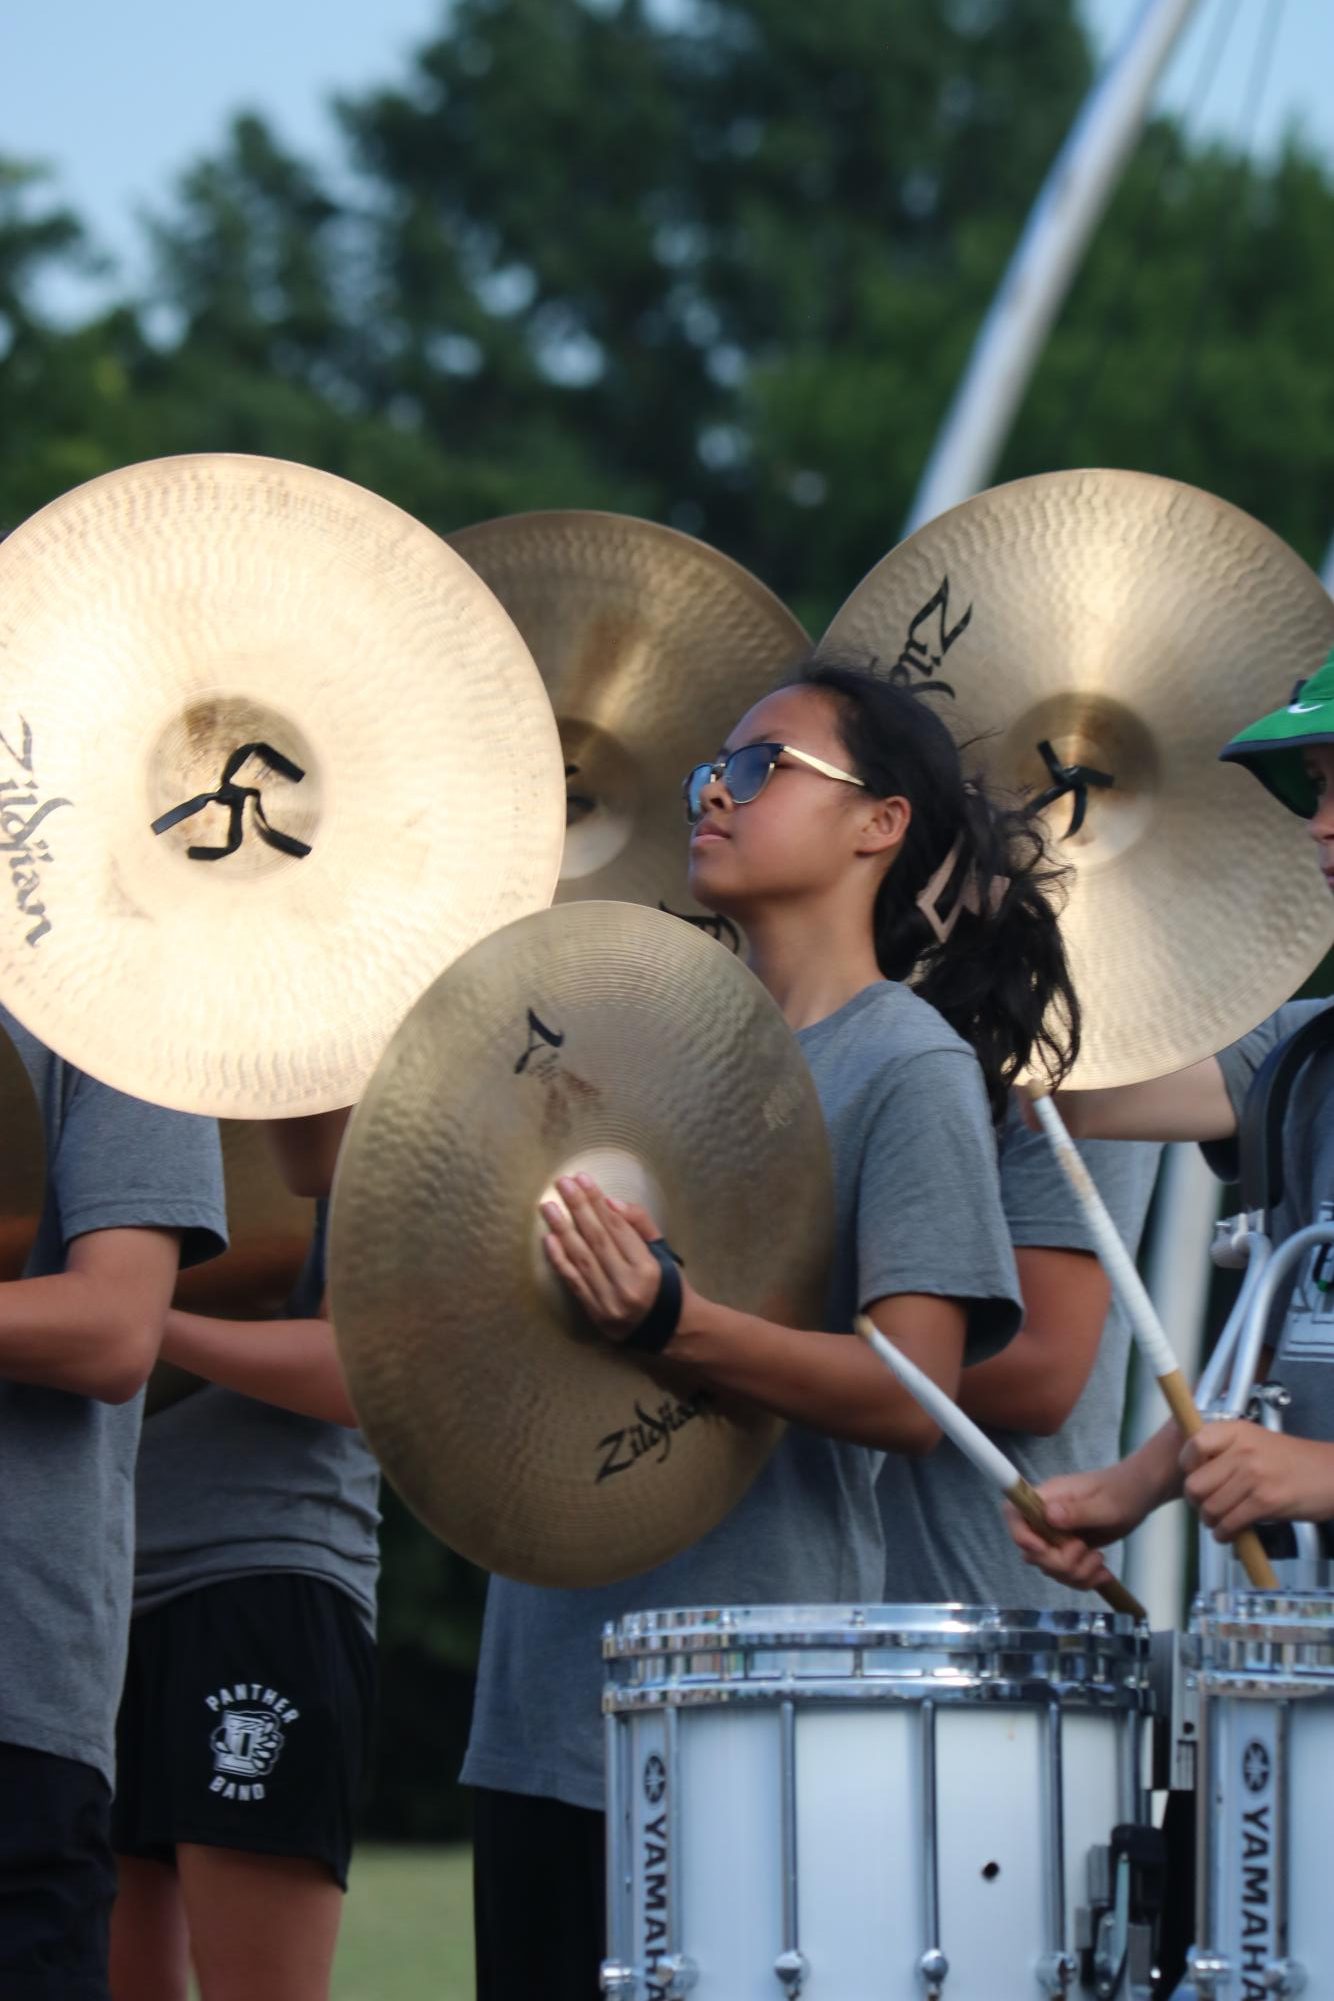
<point x="657" y="1327"/>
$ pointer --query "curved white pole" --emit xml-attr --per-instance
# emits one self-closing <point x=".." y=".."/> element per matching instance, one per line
<point x="1073" y="198"/>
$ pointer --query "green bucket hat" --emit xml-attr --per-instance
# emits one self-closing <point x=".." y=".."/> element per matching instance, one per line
<point x="1272" y="748"/>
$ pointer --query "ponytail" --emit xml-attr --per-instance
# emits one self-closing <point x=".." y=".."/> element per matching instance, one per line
<point x="984" y="946"/>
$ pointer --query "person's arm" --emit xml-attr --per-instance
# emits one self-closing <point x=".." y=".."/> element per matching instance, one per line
<point x="307" y="1150"/>
<point x="1189" y="1104"/>
<point x="1097" y="1508"/>
<point x="1035" y="1382"/>
<point x="93" y="1329"/>
<point x="291" y="1363"/>
<point x="829" y="1382"/>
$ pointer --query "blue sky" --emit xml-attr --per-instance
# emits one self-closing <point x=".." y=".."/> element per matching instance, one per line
<point x="118" y="99"/>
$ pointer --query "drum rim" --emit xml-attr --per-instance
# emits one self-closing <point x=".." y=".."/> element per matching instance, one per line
<point x="948" y="1627"/>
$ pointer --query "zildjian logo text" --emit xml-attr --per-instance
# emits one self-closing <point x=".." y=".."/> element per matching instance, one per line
<point x="22" y="811"/>
<point x="651" y="1432"/>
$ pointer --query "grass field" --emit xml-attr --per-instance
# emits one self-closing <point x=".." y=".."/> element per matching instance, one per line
<point x="407" y="1929"/>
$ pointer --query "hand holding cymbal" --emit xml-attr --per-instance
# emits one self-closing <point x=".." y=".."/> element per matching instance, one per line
<point x="616" y="1042"/>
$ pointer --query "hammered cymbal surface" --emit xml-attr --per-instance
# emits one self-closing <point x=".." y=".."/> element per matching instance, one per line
<point x="22" y="1163"/>
<point x="596" y="1036"/>
<point x="156" y="621"/>
<point x="651" y="645"/>
<point x="1136" y="624"/>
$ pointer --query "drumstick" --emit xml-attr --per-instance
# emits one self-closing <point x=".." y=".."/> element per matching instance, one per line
<point x="982" y="1452"/>
<point x="1129" y="1288"/>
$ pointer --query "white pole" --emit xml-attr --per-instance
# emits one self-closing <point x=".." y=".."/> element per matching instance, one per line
<point x="1178" y="1280"/>
<point x="1073" y="198"/>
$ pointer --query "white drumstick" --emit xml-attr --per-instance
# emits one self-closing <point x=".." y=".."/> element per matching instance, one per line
<point x="1147" y="1327"/>
<point x="981" y="1452"/>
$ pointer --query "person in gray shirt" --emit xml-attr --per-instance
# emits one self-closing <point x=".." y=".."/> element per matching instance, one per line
<point x="132" y="1192"/>
<point x="1053" y="1400"/>
<point x="1235" y="1474"/>
<point x="245" y="1722"/>
<point x="838" y="831"/>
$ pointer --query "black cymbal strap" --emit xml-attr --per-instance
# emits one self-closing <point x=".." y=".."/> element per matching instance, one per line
<point x="657" y="1327"/>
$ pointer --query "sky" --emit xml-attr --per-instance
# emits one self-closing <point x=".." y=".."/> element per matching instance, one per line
<point x="119" y="99"/>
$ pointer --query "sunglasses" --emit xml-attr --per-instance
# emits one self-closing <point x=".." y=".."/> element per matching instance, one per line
<point x="747" y="771"/>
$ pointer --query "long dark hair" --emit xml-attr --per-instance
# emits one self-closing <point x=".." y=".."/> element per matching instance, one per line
<point x="1001" y="979"/>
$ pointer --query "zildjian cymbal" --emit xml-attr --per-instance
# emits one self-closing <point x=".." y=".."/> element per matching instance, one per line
<point x="22" y="1163"/>
<point x="598" y="1037"/>
<point x="652" y="645"/>
<point x="269" y="1233"/>
<point x="271" y="755"/>
<point x="1094" y="638"/>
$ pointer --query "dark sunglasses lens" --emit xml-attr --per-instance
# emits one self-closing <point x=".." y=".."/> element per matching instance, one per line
<point x="747" y="770"/>
<point x="693" y="791"/>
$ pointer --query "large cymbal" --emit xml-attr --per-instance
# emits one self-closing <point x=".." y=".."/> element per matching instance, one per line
<point x="22" y="1163"/>
<point x="1134" y="624"/>
<point x="152" y="625"/>
<point x="615" y="1039"/>
<point x="269" y="1232"/>
<point x="651" y="645"/>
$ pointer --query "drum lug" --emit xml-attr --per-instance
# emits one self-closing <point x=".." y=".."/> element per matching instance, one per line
<point x="933" y="1966"/>
<point x="675" y="1975"/>
<point x="1285" y="1976"/>
<point x="792" y="1968"/>
<point x="1055" y="1971"/>
<point x="618" y="1981"/>
<point x="1208" y="1970"/>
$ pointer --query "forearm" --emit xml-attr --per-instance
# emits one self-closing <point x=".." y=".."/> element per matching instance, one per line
<point x="1022" y="1389"/>
<point x="1190" y="1104"/>
<point x="830" y="1382"/>
<point x="66" y="1333"/>
<point x="291" y="1363"/>
<point x="1152" y="1474"/>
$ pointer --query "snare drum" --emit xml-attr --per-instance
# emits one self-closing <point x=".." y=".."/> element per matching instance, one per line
<point x="864" y="1804"/>
<point x="1264" y="1909"/>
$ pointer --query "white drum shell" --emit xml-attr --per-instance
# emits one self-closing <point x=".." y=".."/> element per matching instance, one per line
<point x="862" y="1787"/>
<point x="1264" y="1911"/>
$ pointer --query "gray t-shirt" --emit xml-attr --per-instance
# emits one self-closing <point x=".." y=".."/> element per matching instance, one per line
<point x="1302" y="1329"/>
<point x="67" y="1525"/>
<point x="945" y="1534"/>
<point x="917" y="1210"/>
<point x="228" y="1486"/>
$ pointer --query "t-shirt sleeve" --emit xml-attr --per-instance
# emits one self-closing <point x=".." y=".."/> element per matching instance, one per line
<point x="929" y="1215"/>
<point x="1042" y="1210"/>
<point x="122" y="1164"/>
<point x="1239" y="1064"/>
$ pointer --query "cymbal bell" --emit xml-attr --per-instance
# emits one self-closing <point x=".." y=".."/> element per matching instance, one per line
<point x="272" y="756"/>
<point x="22" y="1163"/>
<point x="269" y="1233"/>
<point x="616" y="1040"/>
<point x="651" y="645"/>
<point x="1096" y="637"/>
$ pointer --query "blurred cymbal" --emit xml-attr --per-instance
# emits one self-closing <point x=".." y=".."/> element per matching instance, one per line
<point x="22" y="1163"/>
<point x="402" y="795"/>
<point x="601" y="1037"/>
<point x="1132" y="625"/>
<point x="652" y="645"/>
<point x="269" y="1233"/>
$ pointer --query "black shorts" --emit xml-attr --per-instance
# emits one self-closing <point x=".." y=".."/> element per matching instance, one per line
<point x="245" y="1722"/>
<point x="539" y="1897"/>
<point x="57" y="1879"/>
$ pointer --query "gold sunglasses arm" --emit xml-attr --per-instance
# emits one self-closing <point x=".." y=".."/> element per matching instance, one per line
<point x="825" y="770"/>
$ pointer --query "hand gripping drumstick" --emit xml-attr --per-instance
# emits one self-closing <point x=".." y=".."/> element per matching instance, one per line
<point x="1128" y="1286"/>
<point x="985" y="1456"/>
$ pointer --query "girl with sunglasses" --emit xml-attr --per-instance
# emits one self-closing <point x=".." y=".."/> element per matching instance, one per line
<point x="838" y="830"/>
